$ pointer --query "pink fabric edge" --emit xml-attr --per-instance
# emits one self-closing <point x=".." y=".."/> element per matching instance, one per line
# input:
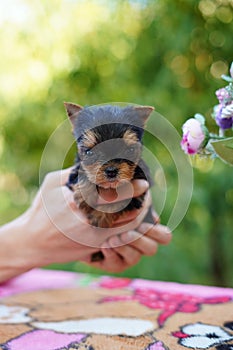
<point x="38" y="279"/>
<point x="191" y="289"/>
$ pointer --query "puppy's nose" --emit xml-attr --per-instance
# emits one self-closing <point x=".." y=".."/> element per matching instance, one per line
<point x="111" y="172"/>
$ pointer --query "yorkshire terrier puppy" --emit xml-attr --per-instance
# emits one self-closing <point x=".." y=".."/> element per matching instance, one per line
<point x="109" y="142"/>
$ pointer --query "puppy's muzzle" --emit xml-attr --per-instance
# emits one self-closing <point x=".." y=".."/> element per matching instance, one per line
<point x="111" y="172"/>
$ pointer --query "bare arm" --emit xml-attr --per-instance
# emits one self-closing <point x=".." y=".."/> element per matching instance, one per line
<point x="54" y="230"/>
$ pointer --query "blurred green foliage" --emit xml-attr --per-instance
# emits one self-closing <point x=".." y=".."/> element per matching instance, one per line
<point x="165" y="53"/>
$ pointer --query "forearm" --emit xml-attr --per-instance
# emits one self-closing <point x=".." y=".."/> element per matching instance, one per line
<point x="15" y="258"/>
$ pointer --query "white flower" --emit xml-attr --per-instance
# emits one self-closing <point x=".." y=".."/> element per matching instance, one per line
<point x="14" y="314"/>
<point x="227" y="112"/>
<point x="101" y="325"/>
<point x="203" y="336"/>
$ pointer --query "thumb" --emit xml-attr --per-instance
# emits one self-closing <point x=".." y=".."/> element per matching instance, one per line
<point x="56" y="178"/>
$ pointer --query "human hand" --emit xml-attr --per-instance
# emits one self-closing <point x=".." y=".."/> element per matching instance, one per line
<point x="54" y="230"/>
<point x="57" y="231"/>
<point x="123" y="250"/>
<point x="126" y="249"/>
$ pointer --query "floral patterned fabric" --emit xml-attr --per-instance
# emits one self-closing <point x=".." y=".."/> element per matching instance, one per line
<point x="55" y="310"/>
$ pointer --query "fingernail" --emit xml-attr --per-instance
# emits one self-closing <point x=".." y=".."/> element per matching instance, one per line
<point x="167" y="231"/>
<point x="144" y="183"/>
<point x="127" y="237"/>
<point x="114" y="241"/>
<point x="105" y="245"/>
<point x="155" y="217"/>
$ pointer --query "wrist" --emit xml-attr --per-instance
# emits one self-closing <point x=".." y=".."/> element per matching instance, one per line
<point x="15" y="254"/>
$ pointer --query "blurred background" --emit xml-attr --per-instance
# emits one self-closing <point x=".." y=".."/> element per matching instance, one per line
<point x="165" y="53"/>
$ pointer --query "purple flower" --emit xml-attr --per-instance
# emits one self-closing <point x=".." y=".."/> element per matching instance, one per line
<point x="224" y="123"/>
<point x="227" y="112"/>
<point x="193" y="136"/>
<point x="224" y="116"/>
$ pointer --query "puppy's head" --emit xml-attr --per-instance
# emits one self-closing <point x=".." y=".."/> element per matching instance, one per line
<point x="109" y="140"/>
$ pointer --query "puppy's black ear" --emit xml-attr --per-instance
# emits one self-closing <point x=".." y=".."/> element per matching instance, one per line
<point x="72" y="111"/>
<point x="144" y="112"/>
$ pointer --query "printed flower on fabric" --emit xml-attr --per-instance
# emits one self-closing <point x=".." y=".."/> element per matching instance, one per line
<point x="158" y="345"/>
<point x="202" y="336"/>
<point x="100" y="325"/>
<point x="168" y="303"/>
<point x="112" y="283"/>
<point x="14" y="314"/>
<point x="194" y="135"/>
<point x="44" y="339"/>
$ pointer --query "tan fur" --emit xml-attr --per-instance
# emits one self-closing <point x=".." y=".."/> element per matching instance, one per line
<point x="126" y="171"/>
<point x="86" y="190"/>
<point x="103" y="219"/>
<point x="89" y="139"/>
<point x="130" y="137"/>
<point x="86" y="195"/>
<point x="96" y="172"/>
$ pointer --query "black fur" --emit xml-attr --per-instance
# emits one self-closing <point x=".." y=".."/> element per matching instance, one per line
<point x="109" y="122"/>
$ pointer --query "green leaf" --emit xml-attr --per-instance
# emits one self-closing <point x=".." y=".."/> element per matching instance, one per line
<point x="230" y="146"/>
<point x="224" y="149"/>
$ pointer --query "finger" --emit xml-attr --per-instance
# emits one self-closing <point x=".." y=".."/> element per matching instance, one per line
<point x="128" y="253"/>
<point x="127" y="217"/>
<point x="155" y="216"/>
<point x="64" y="175"/>
<point x="144" y="244"/>
<point x="57" y="178"/>
<point x="124" y="191"/>
<point x="129" y="220"/>
<point x="112" y="261"/>
<point x="158" y="232"/>
<point x="139" y="186"/>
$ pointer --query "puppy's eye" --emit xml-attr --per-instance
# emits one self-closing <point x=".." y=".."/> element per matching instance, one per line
<point x="89" y="152"/>
<point x="130" y="150"/>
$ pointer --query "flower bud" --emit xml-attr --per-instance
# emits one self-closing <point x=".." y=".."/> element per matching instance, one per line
<point x="223" y="96"/>
<point x="195" y="135"/>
